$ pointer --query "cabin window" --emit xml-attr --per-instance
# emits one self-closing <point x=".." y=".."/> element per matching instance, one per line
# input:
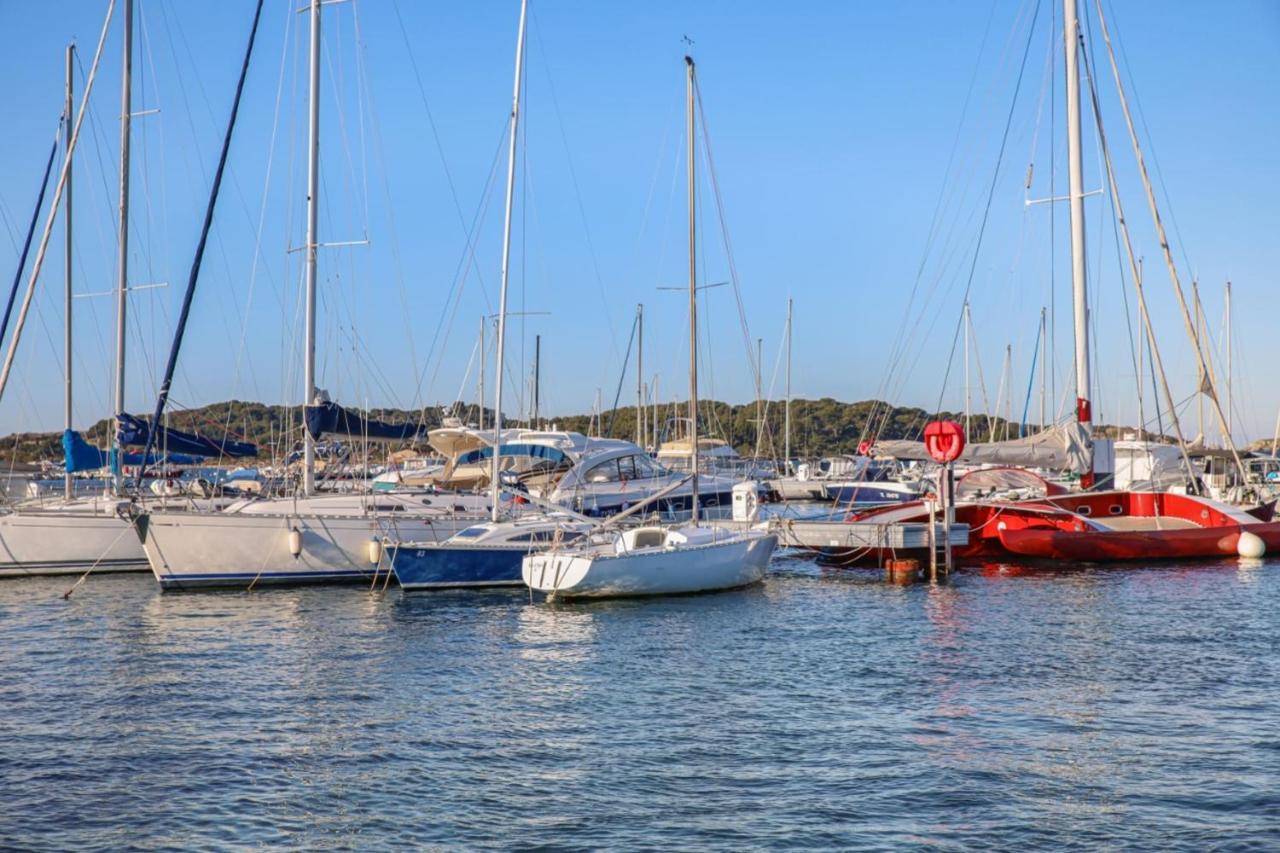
<point x="605" y="472"/>
<point x="1115" y="509"/>
<point x="470" y="532"/>
<point x="627" y="467"/>
<point x="388" y="508"/>
<point x="1084" y="510"/>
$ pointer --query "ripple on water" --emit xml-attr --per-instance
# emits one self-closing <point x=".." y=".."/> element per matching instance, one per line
<point x="1009" y="708"/>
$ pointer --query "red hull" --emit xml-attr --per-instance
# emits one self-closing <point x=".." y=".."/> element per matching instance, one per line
<point x="1091" y="527"/>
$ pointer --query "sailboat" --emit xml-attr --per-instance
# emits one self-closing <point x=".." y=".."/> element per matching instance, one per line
<point x="655" y="560"/>
<point x="312" y="537"/>
<point x="73" y="533"/>
<point x="1091" y="526"/>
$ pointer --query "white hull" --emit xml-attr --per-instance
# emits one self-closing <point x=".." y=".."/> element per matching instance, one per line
<point x="67" y="541"/>
<point x="723" y="561"/>
<point x="240" y="549"/>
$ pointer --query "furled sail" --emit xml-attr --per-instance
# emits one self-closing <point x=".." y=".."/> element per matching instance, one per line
<point x="328" y="418"/>
<point x="136" y="432"/>
<point x="78" y="455"/>
<point x="1065" y="447"/>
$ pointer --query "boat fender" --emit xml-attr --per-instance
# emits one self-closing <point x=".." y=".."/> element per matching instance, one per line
<point x="373" y="551"/>
<point x="1250" y="545"/>
<point x="295" y="542"/>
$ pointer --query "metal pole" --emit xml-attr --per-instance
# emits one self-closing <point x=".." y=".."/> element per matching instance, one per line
<point x="1044" y="358"/>
<point x="968" y="389"/>
<point x="69" y="485"/>
<point x="759" y="395"/>
<point x="537" y="381"/>
<point x="122" y="270"/>
<point x="506" y="264"/>
<point x="1195" y="299"/>
<point x="693" y="301"/>
<point x="1228" y="336"/>
<point x="786" y="452"/>
<point x="1084" y="414"/>
<point x="313" y="208"/>
<point x="640" y="375"/>
<point x="482" y="369"/>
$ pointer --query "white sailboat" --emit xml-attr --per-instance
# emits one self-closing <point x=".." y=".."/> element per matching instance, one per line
<point x="650" y="561"/>
<point x="74" y="533"/>
<point x="313" y="537"/>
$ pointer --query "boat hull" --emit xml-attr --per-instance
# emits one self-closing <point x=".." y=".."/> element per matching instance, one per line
<point x="50" y="542"/>
<point x="188" y="551"/>
<point x="1125" y="546"/>
<point x="702" y="568"/>
<point x="444" y="566"/>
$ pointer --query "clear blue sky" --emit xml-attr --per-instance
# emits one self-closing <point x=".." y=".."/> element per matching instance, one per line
<point x="836" y="128"/>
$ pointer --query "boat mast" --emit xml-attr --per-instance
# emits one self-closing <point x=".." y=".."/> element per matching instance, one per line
<point x="1228" y="336"/>
<point x="483" y="320"/>
<point x="122" y="272"/>
<point x="1163" y="239"/>
<point x="786" y="419"/>
<point x="1199" y="318"/>
<point x="1084" y="415"/>
<point x="968" y="389"/>
<point x="759" y="395"/>
<point x="1044" y="346"/>
<point x="693" y="301"/>
<point x="506" y="267"/>
<point x="537" y="382"/>
<point x="640" y="375"/>
<point x="69" y="485"/>
<point x="313" y="208"/>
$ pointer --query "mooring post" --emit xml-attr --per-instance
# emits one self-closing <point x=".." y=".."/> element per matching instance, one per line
<point x="933" y="540"/>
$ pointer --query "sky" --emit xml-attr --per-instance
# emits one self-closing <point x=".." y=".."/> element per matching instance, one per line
<point x="868" y="161"/>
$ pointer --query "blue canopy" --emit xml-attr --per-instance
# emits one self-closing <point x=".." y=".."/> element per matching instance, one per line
<point x="134" y="432"/>
<point x="331" y="419"/>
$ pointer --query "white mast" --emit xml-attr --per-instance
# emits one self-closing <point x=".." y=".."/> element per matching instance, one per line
<point x="1044" y="353"/>
<point x="1080" y="303"/>
<point x="1230" y="437"/>
<point x="759" y="395"/>
<point x="506" y="268"/>
<point x="483" y="320"/>
<point x="786" y="441"/>
<point x="313" y="207"/>
<point x="122" y="272"/>
<point x="69" y="485"/>
<point x="693" y="304"/>
<point x="640" y="375"/>
<point x="968" y="389"/>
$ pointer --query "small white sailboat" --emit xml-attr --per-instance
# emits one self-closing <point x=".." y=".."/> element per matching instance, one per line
<point x="658" y="560"/>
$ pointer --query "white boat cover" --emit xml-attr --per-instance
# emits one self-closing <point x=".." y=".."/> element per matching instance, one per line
<point x="1065" y="447"/>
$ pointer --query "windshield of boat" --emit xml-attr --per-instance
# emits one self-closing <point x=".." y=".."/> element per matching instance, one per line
<point x="634" y="467"/>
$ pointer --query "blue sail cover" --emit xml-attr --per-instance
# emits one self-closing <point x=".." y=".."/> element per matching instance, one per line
<point x="537" y="451"/>
<point x="78" y="455"/>
<point x="133" y="432"/>
<point x="331" y="419"/>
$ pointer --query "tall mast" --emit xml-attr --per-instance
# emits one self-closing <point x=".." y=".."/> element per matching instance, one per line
<point x="786" y="419"/>
<point x="1199" y="316"/>
<point x="1044" y="352"/>
<point x="640" y="375"/>
<point x="537" y="382"/>
<point x="1071" y="36"/>
<point x="759" y="395"/>
<point x="483" y="320"/>
<point x="1228" y="336"/>
<point x="69" y="485"/>
<point x="506" y="267"/>
<point x="122" y="270"/>
<point x="693" y="301"/>
<point x="968" y="389"/>
<point x="313" y="208"/>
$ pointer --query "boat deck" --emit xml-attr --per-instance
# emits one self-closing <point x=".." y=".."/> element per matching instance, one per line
<point x="1141" y="523"/>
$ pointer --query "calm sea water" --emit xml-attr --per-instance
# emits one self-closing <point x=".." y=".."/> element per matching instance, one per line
<point x="1133" y="707"/>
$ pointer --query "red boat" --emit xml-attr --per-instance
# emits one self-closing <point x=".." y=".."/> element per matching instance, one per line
<point x="1088" y="527"/>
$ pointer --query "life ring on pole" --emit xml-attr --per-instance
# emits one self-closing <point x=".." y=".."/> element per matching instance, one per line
<point x="944" y="440"/>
